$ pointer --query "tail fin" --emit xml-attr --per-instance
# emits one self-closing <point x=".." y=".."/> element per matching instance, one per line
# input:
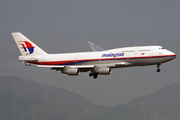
<point x="26" y="46"/>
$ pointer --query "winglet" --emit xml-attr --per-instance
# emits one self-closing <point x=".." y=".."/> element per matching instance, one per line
<point x="94" y="47"/>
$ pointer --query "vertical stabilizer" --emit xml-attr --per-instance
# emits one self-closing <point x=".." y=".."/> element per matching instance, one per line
<point x="26" y="46"/>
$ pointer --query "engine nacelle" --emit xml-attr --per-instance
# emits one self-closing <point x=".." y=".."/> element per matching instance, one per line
<point x="104" y="71"/>
<point x="72" y="71"/>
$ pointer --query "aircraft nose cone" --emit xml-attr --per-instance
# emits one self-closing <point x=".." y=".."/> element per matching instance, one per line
<point x="170" y="55"/>
<point x="173" y="55"/>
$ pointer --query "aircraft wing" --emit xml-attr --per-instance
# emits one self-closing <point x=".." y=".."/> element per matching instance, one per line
<point x="110" y="65"/>
<point x="62" y="66"/>
<point x="103" y="69"/>
<point x="82" y="68"/>
<point x="94" y="47"/>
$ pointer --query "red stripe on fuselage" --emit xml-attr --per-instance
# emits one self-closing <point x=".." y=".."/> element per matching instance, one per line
<point x="72" y="62"/>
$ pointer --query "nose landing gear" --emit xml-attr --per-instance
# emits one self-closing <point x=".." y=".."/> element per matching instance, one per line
<point x="158" y="70"/>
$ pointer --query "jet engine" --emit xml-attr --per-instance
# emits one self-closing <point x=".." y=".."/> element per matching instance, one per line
<point x="104" y="71"/>
<point x="72" y="71"/>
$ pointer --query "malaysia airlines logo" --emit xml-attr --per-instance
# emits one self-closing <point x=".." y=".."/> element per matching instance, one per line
<point x="27" y="46"/>
<point x="113" y="55"/>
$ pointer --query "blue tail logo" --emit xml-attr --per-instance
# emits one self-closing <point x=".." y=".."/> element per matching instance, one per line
<point x="27" y="46"/>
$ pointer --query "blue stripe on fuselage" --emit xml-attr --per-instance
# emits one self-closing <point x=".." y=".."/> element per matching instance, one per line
<point x="108" y="59"/>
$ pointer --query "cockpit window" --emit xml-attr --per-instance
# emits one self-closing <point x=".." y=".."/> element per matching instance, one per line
<point x="162" y="48"/>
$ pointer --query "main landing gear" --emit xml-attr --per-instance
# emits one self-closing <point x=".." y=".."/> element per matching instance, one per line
<point x="158" y="70"/>
<point x="95" y="75"/>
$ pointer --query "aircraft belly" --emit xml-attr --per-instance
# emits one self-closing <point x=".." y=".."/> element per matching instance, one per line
<point x="148" y="61"/>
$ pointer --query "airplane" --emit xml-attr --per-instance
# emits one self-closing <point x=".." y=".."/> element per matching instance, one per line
<point x="97" y="62"/>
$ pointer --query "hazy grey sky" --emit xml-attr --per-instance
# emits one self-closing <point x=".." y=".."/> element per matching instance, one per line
<point x="65" y="25"/>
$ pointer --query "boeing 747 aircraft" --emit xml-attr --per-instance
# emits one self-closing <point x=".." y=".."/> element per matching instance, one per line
<point x="97" y="62"/>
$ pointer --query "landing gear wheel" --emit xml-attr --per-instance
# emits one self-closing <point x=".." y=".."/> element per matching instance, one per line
<point x="90" y="74"/>
<point x="95" y="76"/>
<point x="158" y="70"/>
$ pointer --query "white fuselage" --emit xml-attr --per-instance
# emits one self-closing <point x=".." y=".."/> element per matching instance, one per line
<point x="137" y="56"/>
